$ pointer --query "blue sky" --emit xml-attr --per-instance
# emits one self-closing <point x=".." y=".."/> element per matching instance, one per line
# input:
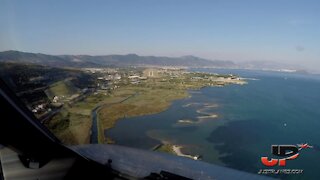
<point x="285" y="31"/>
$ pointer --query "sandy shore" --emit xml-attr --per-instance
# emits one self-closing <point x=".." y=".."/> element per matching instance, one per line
<point x="188" y="121"/>
<point x="191" y="104"/>
<point x="253" y="79"/>
<point x="168" y="147"/>
<point x="209" y="116"/>
<point x="177" y="150"/>
<point x="200" y="119"/>
<point x="203" y="111"/>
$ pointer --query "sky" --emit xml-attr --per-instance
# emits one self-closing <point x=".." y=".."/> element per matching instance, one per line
<point x="286" y="31"/>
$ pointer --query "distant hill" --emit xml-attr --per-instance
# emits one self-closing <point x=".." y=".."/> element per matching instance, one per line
<point x="109" y="60"/>
<point x="272" y="66"/>
<point x="41" y="59"/>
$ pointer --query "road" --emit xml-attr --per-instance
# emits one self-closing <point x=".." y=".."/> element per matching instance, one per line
<point x="94" y="138"/>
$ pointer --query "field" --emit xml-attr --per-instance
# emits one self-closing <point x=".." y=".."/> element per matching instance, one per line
<point x="72" y="125"/>
<point x="62" y="88"/>
<point x="150" y="97"/>
<point x="141" y="101"/>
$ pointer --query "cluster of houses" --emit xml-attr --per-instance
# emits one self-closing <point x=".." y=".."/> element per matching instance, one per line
<point x="40" y="108"/>
<point x="110" y="77"/>
<point x="100" y="70"/>
<point x="107" y="82"/>
<point x="135" y="79"/>
<point x="157" y="72"/>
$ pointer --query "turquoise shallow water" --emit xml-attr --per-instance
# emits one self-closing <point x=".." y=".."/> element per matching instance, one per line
<point x="279" y="108"/>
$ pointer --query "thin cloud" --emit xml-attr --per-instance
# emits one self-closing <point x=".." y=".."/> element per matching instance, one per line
<point x="298" y="22"/>
<point x="300" y="48"/>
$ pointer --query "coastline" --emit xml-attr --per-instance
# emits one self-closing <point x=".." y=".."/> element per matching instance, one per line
<point x="177" y="150"/>
<point x="154" y="102"/>
<point x="154" y="96"/>
<point x="173" y="149"/>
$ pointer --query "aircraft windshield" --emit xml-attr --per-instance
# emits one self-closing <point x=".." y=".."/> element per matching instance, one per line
<point x="219" y="82"/>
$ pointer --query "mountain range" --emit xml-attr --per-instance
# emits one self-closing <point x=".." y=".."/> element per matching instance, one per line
<point x="109" y="60"/>
<point x="134" y="60"/>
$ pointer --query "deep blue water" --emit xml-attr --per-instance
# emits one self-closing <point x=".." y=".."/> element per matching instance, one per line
<point x="278" y="108"/>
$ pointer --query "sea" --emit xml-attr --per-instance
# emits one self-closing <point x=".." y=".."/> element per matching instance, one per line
<point x="274" y="108"/>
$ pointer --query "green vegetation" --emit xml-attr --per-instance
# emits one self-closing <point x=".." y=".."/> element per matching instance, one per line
<point x="73" y="123"/>
<point x="148" y="96"/>
<point x="167" y="148"/>
<point x="141" y="101"/>
<point x="60" y="122"/>
<point x="62" y="88"/>
<point x="71" y="126"/>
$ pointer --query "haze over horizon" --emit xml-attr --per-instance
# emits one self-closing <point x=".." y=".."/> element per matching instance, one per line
<point x="285" y="31"/>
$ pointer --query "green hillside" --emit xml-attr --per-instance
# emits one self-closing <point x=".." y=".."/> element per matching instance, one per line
<point x="62" y="89"/>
